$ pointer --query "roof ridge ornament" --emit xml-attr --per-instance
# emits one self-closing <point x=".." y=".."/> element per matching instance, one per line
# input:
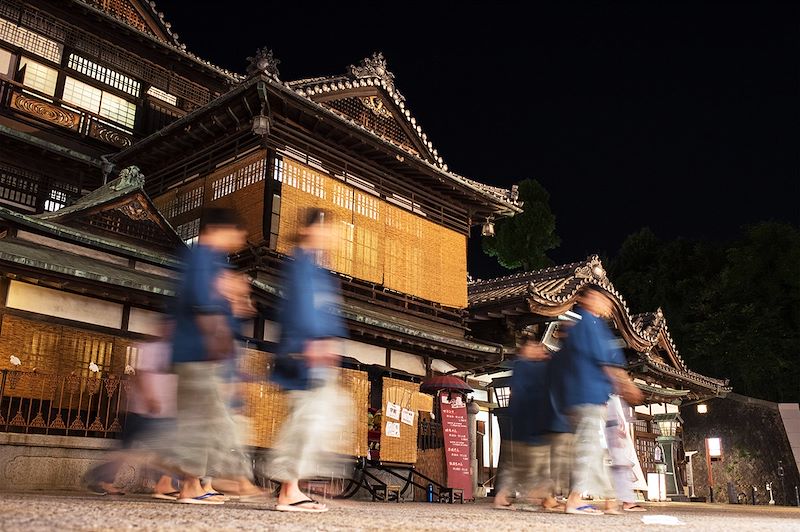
<point x="130" y="176"/>
<point x="374" y="67"/>
<point x="592" y="269"/>
<point x="264" y="61"/>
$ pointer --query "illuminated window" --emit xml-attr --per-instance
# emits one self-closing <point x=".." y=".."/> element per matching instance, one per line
<point x="83" y="95"/>
<point x="57" y="200"/>
<point x="714" y="446"/>
<point x="163" y="96"/>
<point x="39" y="77"/>
<point x="189" y="232"/>
<point x="104" y="75"/>
<point x="118" y="109"/>
<point x="6" y="63"/>
<point x="30" y="41"/>
<point x="105" y="104"/>
<point x="239" y="178"/>
<point x="184" y="202"/>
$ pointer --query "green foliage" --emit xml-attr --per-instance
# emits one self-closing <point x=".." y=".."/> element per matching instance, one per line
<point x="523" y="241"/>
<point x="733" y="309"/>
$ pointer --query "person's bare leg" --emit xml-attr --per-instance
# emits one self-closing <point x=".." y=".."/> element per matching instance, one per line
<point x="164" y="485"/>
<point x="290" y="493"/>
<point x="190" y="488"/>
<point x="612" y="507"/>
<point x="501" y="499"/>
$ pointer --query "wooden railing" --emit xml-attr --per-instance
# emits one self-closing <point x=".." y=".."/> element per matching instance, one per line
<point x="18" y="99"/>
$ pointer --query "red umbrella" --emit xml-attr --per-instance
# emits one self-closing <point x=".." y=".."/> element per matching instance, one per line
<point x="444" y="382"/>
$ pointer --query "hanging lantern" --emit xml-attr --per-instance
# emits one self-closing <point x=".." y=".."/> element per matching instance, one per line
<point x="488" y="227"/>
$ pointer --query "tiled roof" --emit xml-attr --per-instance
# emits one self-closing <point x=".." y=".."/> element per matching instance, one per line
<point x="557" y="287"/>
<point x="174" y="43"/>
<point x="373" y="72"/>
<point x="518" y="285"/>
<point x="61" y="262"/>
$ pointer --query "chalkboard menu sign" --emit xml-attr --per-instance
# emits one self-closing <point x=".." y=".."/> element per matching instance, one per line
<point x="456" y="443"/>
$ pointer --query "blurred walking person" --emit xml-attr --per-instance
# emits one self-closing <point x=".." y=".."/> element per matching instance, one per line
<point x="205" y="442"/>
<point x="526" y="454"/>
<point x="596" y="369"/>
<point x="150" y="416"/>
<point x="623" y="454"/>
<point x="306" y="366"/>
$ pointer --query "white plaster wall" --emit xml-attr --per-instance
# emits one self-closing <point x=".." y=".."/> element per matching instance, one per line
<point x="32" y="298"/>
<point x="483" y="415"/>
<point x="365" y="353"/>
<point x="144" y="321"/>
<point x="407" y="362"/>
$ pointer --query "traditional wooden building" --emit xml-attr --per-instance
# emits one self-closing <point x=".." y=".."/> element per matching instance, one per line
<point x="535" y="303"/>
<point x="90" y="88"/>
<point x="80" y="80"/>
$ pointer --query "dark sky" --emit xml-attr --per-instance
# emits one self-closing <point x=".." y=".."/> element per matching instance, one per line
<point x="683" y="118"/>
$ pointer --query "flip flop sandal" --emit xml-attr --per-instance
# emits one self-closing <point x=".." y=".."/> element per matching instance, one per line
<point x="298" y="507"/>
<point x="200" y="499"/>
<point x="586" y="509"/>
<point x="635" y="508"/>
<point x="171" y="496"/>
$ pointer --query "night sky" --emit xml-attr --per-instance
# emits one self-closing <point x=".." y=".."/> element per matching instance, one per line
<point x="680" y="118"/>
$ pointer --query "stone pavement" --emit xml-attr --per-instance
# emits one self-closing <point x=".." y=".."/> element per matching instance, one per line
<point x="66" y="512"/>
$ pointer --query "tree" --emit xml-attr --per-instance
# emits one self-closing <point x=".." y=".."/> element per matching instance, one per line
<point x="733" y="309"/>
<point x="523" y="240"/>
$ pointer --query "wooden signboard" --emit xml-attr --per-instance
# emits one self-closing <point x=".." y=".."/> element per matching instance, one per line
<point x="456" y="443"/>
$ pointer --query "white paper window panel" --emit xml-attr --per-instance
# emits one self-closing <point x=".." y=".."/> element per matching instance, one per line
<point x="163" y="96"/>
<point x="6" y="59"/>
<point x="118" y="109"/>
<point x="407" y="362"/>
<point x="64" y="305"/>
<point x="441" y="366"/>
<point x="82" y="94"/>
<point x="365" y="353"/>
<point x="38" y="76"/>
<point x="272" y="331"/>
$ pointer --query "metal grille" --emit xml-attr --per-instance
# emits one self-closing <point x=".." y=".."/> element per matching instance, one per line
<point x="105" y="75"/>
<point x="30" y="41"/>
<point x="105" y="52"/>
<point x="189" y="231"/>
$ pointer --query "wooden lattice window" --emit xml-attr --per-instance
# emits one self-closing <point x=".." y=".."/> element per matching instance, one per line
<point x="119" y="223"/>
<point x="123" y="10"/>
<point x="382" y="125"/>
<point x="30" y="41"/>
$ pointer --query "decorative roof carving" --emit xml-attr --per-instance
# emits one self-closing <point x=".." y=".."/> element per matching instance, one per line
<point x="263" y="62"/>
<point x="129" y="177"/>
<point x="374" y="67"/>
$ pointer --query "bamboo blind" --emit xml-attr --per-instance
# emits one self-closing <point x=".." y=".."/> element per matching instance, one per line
<point x="401" y="449"/>
<point x="58" y="350"/>
<point x="238" y="184"/>
<point x="267" y="408"/>
<point x="375" y="240"/>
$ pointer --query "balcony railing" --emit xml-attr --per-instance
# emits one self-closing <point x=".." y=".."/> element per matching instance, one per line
<point x="16" y="98"/>
<point x="71" y="405"/>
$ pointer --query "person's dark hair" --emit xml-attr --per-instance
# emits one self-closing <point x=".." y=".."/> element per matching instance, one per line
<point x="308" y="217"/>
<point x="220" y="217"/>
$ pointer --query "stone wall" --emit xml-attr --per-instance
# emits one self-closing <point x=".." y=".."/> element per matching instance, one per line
<point x="753" y="441"/>
<point x="40" y="462"/>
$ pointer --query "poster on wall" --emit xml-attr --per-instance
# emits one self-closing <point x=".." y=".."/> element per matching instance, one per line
<point x="392" y="410"/>
<point x="456" y="444"/>
<point x="393" y="429"/>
